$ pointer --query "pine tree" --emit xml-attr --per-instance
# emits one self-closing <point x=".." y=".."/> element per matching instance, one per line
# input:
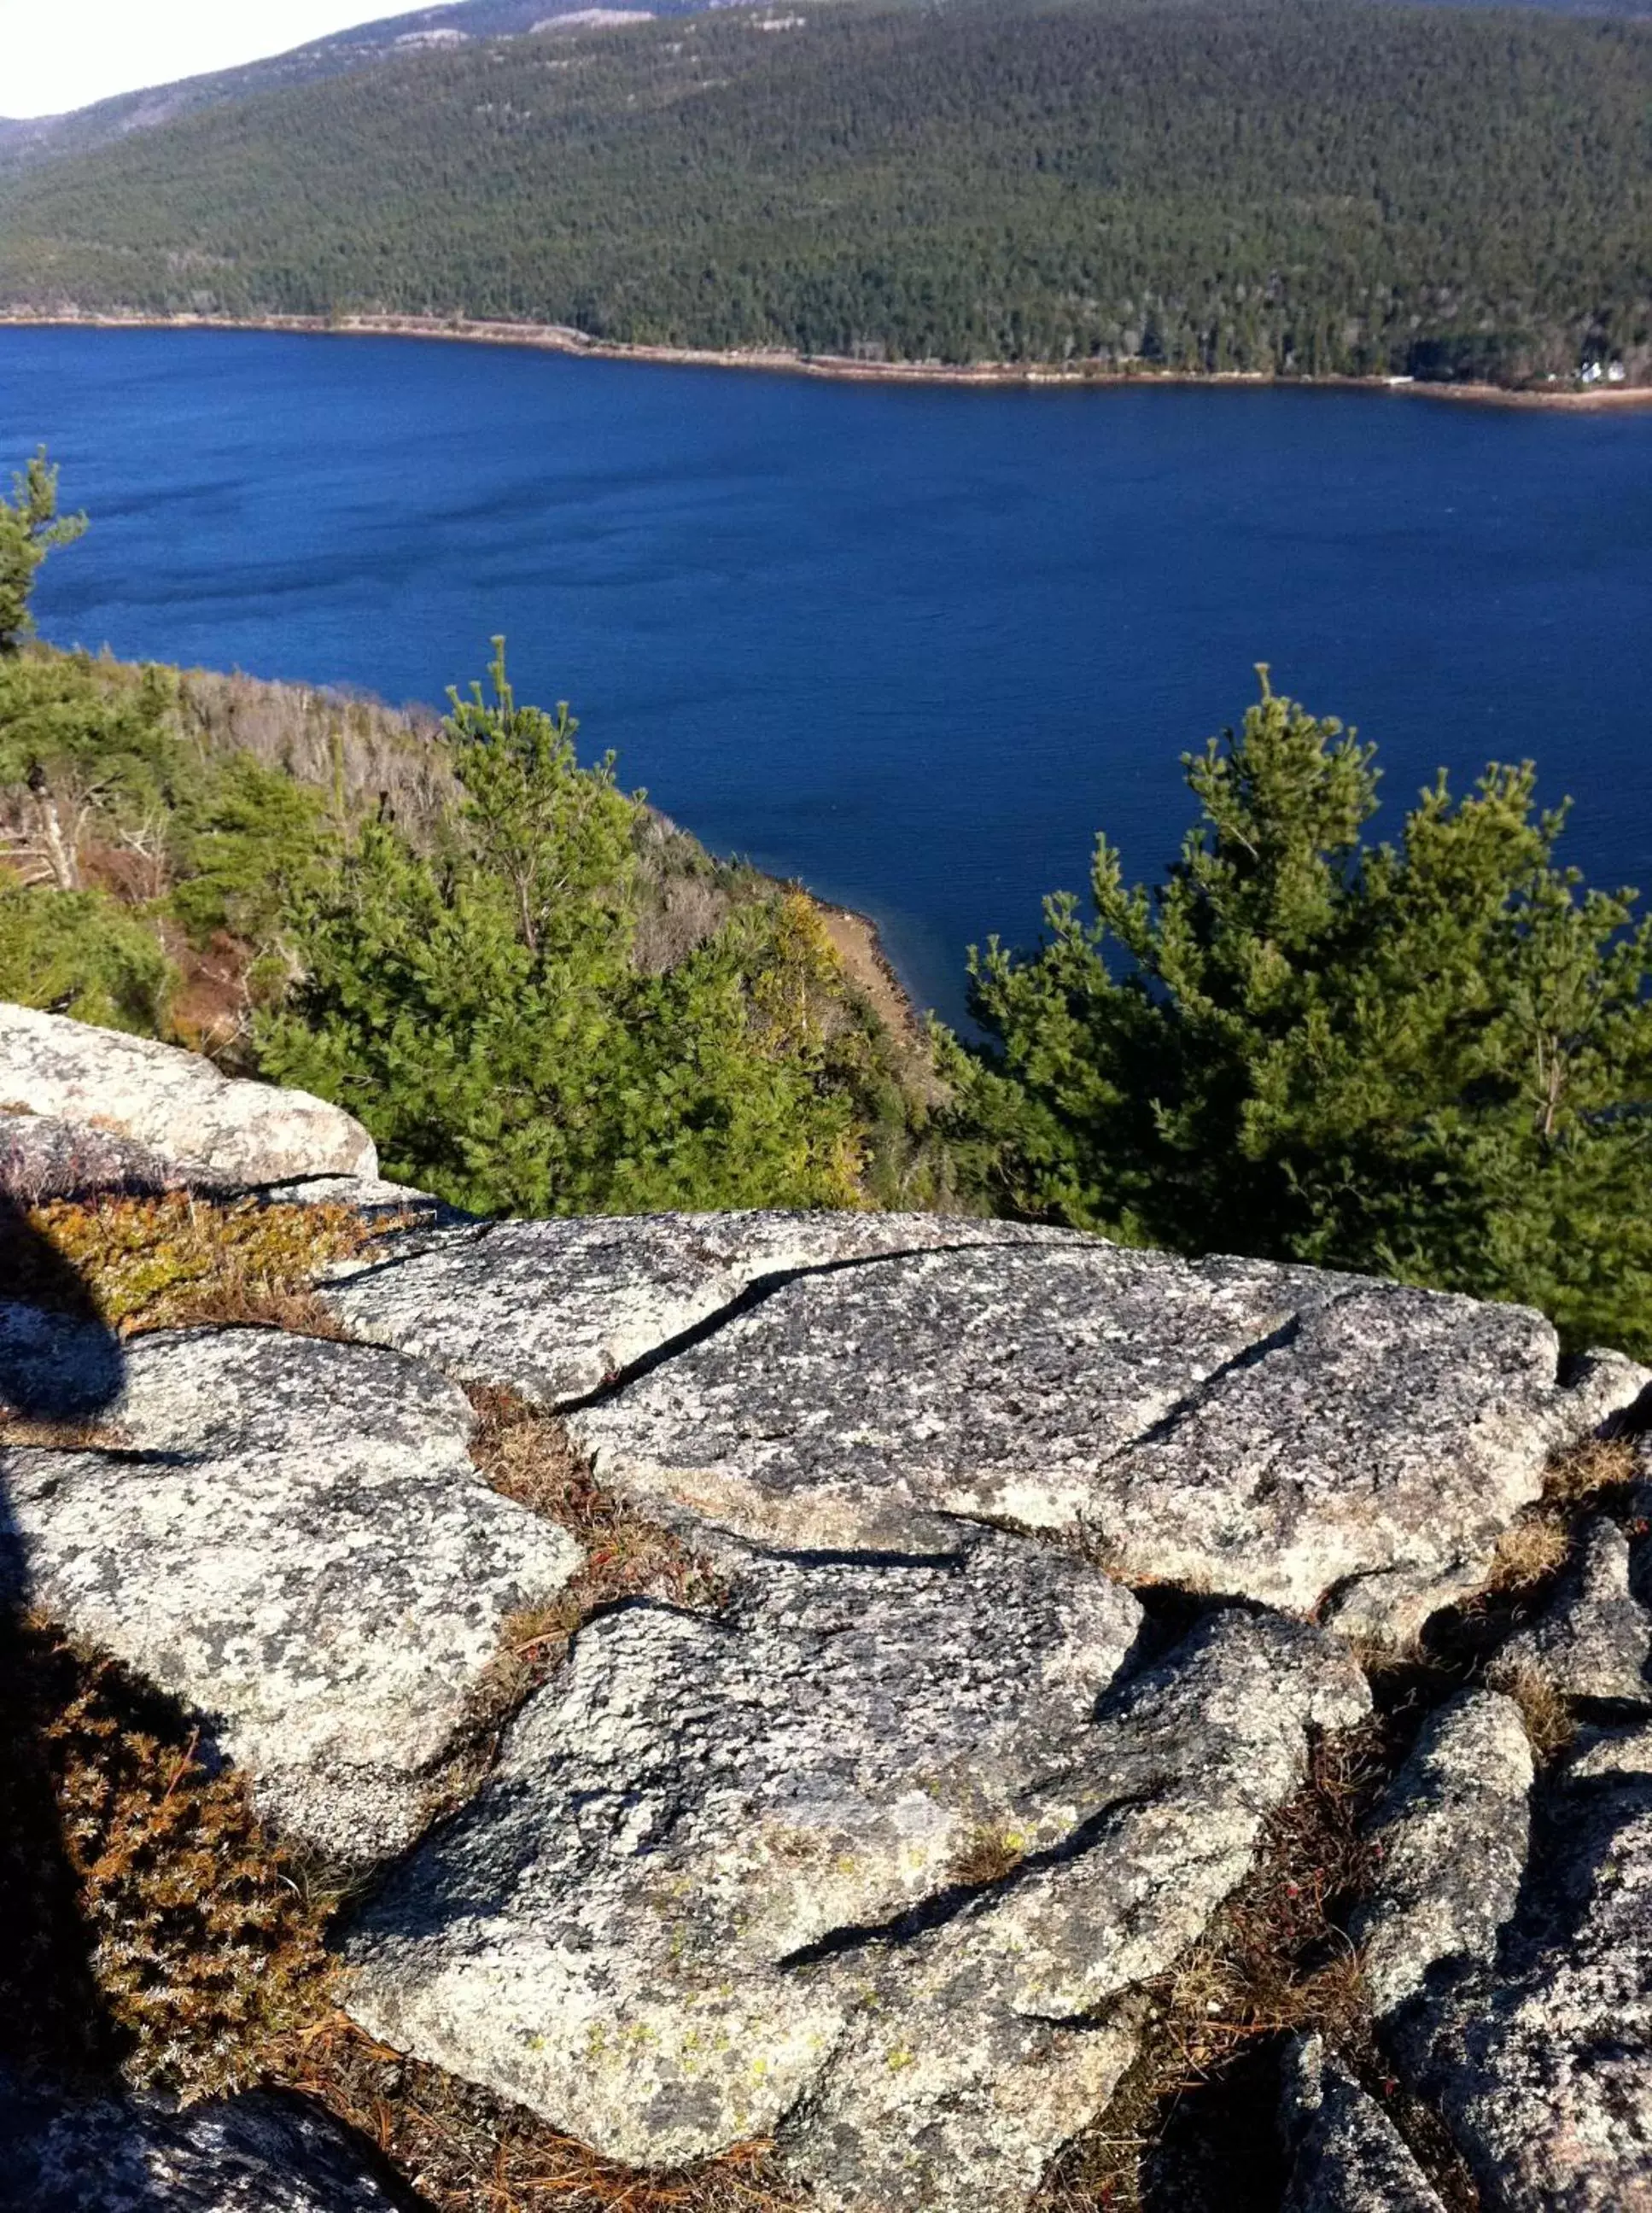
<point x="1431" y="1059"/>
<point x="30" y="528"/>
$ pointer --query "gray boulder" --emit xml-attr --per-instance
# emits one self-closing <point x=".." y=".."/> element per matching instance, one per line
<point x="1610" y="1754"/>
<point x="695" y="1896"/>
<point x="43" y="1158"/>
<point x="1278" y="1434"/>
<point x="172" y="1102"/>
<point x="973" y="2052"/>
<point x="1595" y="1640"/>
<point x="1450" y="1840"/>
<point x="255" y="2154"/>
<point x="293" y="1541"/>
<point x="1543" y="2067"/>
<point x="406" y="1212"/>
<point x="552" y="1310"/>
<point x="690" y="1801"/>
<point x="1347" y="2154"/>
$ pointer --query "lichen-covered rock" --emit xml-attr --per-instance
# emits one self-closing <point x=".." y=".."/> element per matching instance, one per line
<point x="1595" y="1640"/>
<point x="293" y="1542"/>
<point x="552" y="1310"/>
<point x="950" y="2102"/>
<point x="1542" y="2067"/>
<point x="692" y="1800"/>
<point x="696" y="1895"/>
<point x="173" y="1102"/>
<point x="1169" y="1792"/>
<point x="1604" y="1754"/>
<point x="857" y="1406"/>
<point x="1347" y="2154"/>
<point x="1366" y="1469"/>
<point x="43" y="1158"/>
<point x="1275" y="1433"/>
<point x="256" y="2154"/>
<point x="974" y="2051"/>
<point x="1450" y="1842"/>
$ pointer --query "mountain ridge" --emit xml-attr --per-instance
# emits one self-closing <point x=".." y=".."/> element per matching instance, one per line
<point x="27" y="140"/>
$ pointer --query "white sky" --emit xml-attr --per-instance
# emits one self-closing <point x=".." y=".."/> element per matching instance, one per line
<point x="60" y="54"/>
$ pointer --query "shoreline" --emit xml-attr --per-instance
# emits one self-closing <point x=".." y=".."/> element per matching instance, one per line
<point x="556" y="338"/>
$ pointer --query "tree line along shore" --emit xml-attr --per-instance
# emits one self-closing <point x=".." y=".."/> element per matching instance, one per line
<point x="1574" y="395"/>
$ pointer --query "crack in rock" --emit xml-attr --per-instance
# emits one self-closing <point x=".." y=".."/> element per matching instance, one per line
<point x="557" y="1311"/>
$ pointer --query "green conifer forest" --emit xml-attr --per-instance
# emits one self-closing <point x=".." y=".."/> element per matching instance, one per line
<point x="1302" y="187"/>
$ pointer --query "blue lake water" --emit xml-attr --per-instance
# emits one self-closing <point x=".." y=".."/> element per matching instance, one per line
<point x="913" y="645"/>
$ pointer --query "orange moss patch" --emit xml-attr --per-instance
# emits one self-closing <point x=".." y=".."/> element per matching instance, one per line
<point x="152" y="1926"/>
<point x="987" y="1857"/>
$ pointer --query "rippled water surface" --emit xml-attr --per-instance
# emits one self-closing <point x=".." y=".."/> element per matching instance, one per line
<point x="915" y="646"/>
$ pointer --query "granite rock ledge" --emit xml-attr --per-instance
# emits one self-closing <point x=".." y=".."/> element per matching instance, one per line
<point x="1040" y="1571"/>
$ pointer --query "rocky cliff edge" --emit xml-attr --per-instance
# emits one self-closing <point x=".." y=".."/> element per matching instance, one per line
<point x="1022" y="1586"/>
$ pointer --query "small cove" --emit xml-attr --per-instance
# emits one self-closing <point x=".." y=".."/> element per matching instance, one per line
<point x="913" y="644"/>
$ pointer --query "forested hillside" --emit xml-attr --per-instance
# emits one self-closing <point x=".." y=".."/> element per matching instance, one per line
<point x="541" y="996"/>
<point x="1280" y="187"/>
<point x="1429" y="1059"/>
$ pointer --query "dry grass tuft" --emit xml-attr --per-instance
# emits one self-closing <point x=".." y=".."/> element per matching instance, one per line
<point x="1543" y="1707"/>
<point x="987" y="1856"/>
<point x="1586" y="1469"/>
<point x="1529" y="1552"/>
<point x="144" y="1264"/>
<point x="57" y="1437"/>
<point x="468" y="2152"/>
<point x="526" y="1454"/>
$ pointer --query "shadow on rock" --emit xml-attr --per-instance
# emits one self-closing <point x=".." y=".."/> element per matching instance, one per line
<point x="59" y="1361"/>
<point x="60" y="1369"/>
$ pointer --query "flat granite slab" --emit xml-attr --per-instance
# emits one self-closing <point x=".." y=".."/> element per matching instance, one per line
<point x="291" y="1539"/>
<point x="1293" y="1437"/>
<point x="555" y="1310"/>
